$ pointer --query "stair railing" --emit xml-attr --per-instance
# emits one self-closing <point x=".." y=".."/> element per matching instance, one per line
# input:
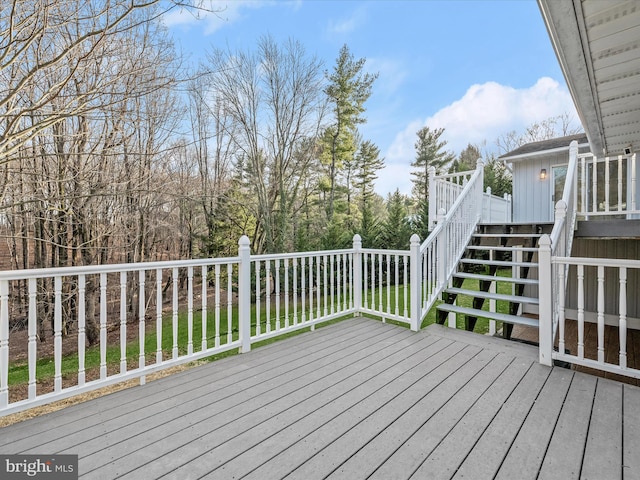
<point x="553" y="277"/>
<point x="444" y="246"/>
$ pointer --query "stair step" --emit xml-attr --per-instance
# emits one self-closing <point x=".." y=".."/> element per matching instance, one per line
<point x="498" y="263"/>
<point x="501" y="249"/>
<point x="494" y="296"/>
<point x="502" y="317"/>
<point x="507" y="235"/>
<point x="496" y="278"/>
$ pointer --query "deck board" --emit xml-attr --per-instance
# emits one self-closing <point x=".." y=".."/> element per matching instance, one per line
<point x="603" y="451"/>
<point x="354" y="400"/>
<point x="571" y="431"/>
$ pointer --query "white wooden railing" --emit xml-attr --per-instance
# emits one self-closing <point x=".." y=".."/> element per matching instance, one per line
<point x="608" y="186"/>
<point x="444" y="191"/>
<point x="609" y="275"/>
<point x="443" y="248"/>
<point x="244" y="299"/>
<point x="553" y="277"/>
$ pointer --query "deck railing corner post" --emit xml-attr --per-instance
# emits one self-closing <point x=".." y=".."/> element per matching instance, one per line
<point x="546" y="302"/>
<point x="415" y="282"/>
<point x="244" y="294"/>
<point x="357" y="273"/>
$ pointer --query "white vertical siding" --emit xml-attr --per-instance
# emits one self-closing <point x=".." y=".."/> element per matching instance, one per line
<point x="532" y="196"/>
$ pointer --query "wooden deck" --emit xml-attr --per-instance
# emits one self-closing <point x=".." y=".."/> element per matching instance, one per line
<point x="358" y="399"/>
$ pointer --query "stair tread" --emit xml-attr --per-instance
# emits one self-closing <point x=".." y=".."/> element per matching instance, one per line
<point x="501" y="263"/>
<point x="507" y="235"/>
<point x="477" y="276"/>
<point x="503" y="317"/>
<point x="501" y="248"/>
<point x="496" y="296"/>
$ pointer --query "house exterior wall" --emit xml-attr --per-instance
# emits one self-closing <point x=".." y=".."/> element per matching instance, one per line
<point x="532" y="195"/>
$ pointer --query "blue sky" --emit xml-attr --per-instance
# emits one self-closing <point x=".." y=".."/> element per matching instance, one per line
<point x="477" y="68"/>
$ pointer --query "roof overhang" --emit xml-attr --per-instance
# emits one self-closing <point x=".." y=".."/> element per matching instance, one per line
<point x="598" y="46"/>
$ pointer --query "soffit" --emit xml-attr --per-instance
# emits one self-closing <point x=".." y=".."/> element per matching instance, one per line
<point x="598" y="45"/>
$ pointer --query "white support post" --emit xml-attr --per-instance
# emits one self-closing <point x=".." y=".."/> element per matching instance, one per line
<point x="244" y="294"/>
<point x="634" y="192"/>
<point x="357" y="273"/>
<point x="545" y="326"/>
<point x="4" y="343"/>
<point x="441" y="253"/>
<point x="415" y="282"/>
<point x="489" y="207"/>
<point x="431" y="172"/>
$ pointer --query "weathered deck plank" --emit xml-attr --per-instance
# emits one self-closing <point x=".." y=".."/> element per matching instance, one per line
<point x="603" y="451"/>
<point x="355" y="400"/>
<point x="570" y="433"/>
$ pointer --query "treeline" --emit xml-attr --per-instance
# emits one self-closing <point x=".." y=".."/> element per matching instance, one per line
<point x="111" y="150"/>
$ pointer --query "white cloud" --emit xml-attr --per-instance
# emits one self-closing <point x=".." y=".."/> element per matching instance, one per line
<point x="483" y="114"/>
<point x="346" y="25"/>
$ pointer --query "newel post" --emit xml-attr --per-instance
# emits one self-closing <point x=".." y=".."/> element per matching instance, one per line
<point x="357" y="273"/>
<point x="415" y="282"/>
<point x="244" y="294"/>
<point x="545" y="325"/>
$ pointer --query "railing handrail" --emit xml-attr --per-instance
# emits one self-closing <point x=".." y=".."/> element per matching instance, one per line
<point x="111" y="268"/>
<point x="589" y="191"/>
<point x="441" y="250"/>
<point x="456" y="205"/>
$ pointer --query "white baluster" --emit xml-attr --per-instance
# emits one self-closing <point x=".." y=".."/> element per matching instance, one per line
<point x="57" y="333"/>
<point x="311" y="290"/>
<point x="332" y="282"/>
<point x="159" y="315"/>
<point x="594" y="185"/>
<point x="295" y="290"/>
<point x="561" y="307"/>
<point x="203" y="317"/>
<point x="303" y="276"/>
<point x="81" y="328"/>
<point x="277" y="266"/>
<point x="258" y="316"/>
<point x="580" y="274"/>
<point x="620" y="183"/>
<point x="217" y="304"/>
<point x="141" y="323"/>
<point x="405" y="282"/>
<point x="123" y="322"/>
<point x="267" y="294"/>
<point x="103" y="326"/>
<point x="623" y="317"/>
<point x="190" y="310"/>
<point x="607" y="187"/>
<point x="174" y="316"/>
<point x="286" y="293"/>
<point x="230" y="302"/>
<point x="33" y="334"/>
<point x="600" y="314"/>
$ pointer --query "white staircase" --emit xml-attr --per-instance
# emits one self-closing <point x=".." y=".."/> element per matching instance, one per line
<point x="496" y="254"/>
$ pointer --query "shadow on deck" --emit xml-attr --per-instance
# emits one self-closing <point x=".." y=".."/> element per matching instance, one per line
<point x="358" y="399"/>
